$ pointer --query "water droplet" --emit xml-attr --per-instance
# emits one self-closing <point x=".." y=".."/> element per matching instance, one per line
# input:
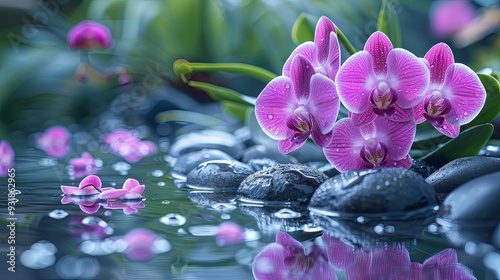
<point x="157" y="173"/>
<point x="224" y="207"/>
<point x="389" y="229"/>
<point x="165" y="202"/>
<point x="379" y="229"/>
<point x="173" y="219"/>
<point x="58" y="214"/>
<point x="287" y="86"/>
<point x="47" y="161"/>
<point x="161" y="184"/>
<point x="270" y="116"/>
<point x="387" y="183"/>
<point x="286" y="213"/>
<point x="465" y="114"/>
<point x="360" y="219"/>
<point x="225" y="216"/>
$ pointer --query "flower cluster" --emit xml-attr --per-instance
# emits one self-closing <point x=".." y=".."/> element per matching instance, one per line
<point x="386" y="90"/>
<point x="286" y="259"/>
<point x="90" y="195"/>
<point x="127" y="144"/>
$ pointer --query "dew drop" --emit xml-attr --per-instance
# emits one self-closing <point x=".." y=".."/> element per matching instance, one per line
<point x="360" y="219"/>
<point x="287" y="86"/>
<point x="157" y="173"/>
<point x="270" y="116"/>
<point x="379" y="229"/>
<point x="165" y="202"/>
<point x="389" y="229"/>
<point x="465" y="114"/>
<point x="161" y="184"/>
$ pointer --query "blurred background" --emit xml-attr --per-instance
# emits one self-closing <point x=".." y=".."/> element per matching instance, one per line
<point x="38" y="87"/>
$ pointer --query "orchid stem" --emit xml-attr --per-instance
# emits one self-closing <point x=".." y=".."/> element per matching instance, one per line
<point x="183" y="68"/>
<point x="345" y="42"/>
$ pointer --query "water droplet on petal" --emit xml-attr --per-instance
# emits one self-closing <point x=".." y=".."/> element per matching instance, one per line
<point x="270" y="116"/>
<point x="287" y="86"/>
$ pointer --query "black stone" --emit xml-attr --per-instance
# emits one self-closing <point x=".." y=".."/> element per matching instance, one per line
<point x="324" y="167"/>
<point x="459" y="171"/>
<point x="422" y="168"/>
<point x="472" y="211"/>
<point x="376" y="191"/>
<point x="496" y="237"/>
<point x="189" y="161"/>
<point x="218" y="174"/>
<point x="258" y="164"/>
<point x="282" y="183"/>
<point x="206" y="139"/>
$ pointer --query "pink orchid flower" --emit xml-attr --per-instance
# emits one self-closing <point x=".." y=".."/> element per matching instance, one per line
<point x="381" y="81"/>
<point x="83" y="166"/>
<point x="90" y="185"/>
<point x="443" y="265"/>
<point x="287" y="260"/>
<point x="126" y="144"/>
<point x="87" y="203"/>
<point x="143" y="245"/>
<point x="229" y="233"/>
<point x="380" y="263"/>
<point x="88" y="35"/>
<point x="324" y="53"/>
<point x="55" y="141"/>
<point x="380" y="143"/>
<point x="455" y="95"/>
<point x="448" y="17"/>
<point x="290" y="109"/>
<point x="7" y="156"/>
<point x="119" y="136"/>
<point x="131" y="190"/>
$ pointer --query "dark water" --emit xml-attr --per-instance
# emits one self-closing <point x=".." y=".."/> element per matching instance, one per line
<point x="89" y="248"/>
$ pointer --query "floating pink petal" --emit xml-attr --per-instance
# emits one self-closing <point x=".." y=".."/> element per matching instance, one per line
<point x="229" y="233"/>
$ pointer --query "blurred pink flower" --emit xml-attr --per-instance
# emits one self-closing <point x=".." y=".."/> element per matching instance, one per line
<point x="83" y="166"/>
<point x="448" y="17"/>
<point x="126" y="144"/>
<point x="230" y="233"/>
<point x="287" y="260"/>
<point x="7" y="156"/>
<point x="89" y="35"/>
<point x="55" y="141"/>
<point x="143" y="245"/>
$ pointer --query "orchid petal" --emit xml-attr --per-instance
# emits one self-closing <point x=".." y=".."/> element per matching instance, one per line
<point x="269" y="263"/>
<point x="406" y="162"/>
<point x="321" y="140"/>
<point x="290" y="144"/>
<point x="131" y="196"/>
<point x="466" y="93"/>
<point x="320" y="270"/>
<point x="397" y="136"/>
<point x="361" y="119"/>
<point x="439" y="57"/>
<point x="379" y="46"/>
<point x="389" y="263"/>
<point x="416" y="271"/>
<point x="445" y="257"/>
<point x="86" y="191"/>
<point x="323" y="103"/>
<point x="91" y="180"/>
<point x="113" y="194"/>
<point x="448" y="129"/>
<point x="66" y="199"/>
<point x="402" y="115"/>
<point x="332" y="64"/>
<point x="289" y="243"/>
<point x="355" y="81"/>
<point x="307" y="49"/>
<point x="301" y="72"/>
<point x="274" y="105"/>
<point x="69" y="189"/>
<point x="129" y="210"/>
<point x="138" y="189"/>
<point x="343" y="150"/>
<point x="324" y="28"/>
<point x="419" y="111"/>
<point x="90" y="209"/>
<point x="408" y="76"/>
<point x="458" y="272"/>
<point x="340" y="255"/>
<point x="130" y="183"/>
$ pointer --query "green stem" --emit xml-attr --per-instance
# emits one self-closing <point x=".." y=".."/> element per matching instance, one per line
<point x="345" y="42"/>
<point x="183" y="67"/>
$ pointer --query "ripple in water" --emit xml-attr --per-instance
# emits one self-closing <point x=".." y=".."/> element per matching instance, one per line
<point x="173" y="219"/>
<point x="286" y="213"/>
<point x="58" y="214"/>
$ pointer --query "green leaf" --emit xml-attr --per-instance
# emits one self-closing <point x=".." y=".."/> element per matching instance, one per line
<point x="235" y="109"/>
<point x="467" y="143"/>
<point x="388" y="23"/>
<point x="491" y="108"/>
<point x="426" y="131"/>
<point x="303" y="29"/>
<point x="222" y="93"/>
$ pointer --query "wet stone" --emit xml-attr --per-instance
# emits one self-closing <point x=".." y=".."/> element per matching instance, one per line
<point x="459" y="171"/>
<point x="472" y="212"/>
<point x="206" y="139"/>
<point x="422" y="168"/>
<point x="281" y="184"/>
<point x="189" y="161"/>
<point x="218" y="174"/>
<point x="261" y="151"/>
<point x="379" y="191"/>
<point x="257" y="164"/>
<point x="324" y="167"/>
